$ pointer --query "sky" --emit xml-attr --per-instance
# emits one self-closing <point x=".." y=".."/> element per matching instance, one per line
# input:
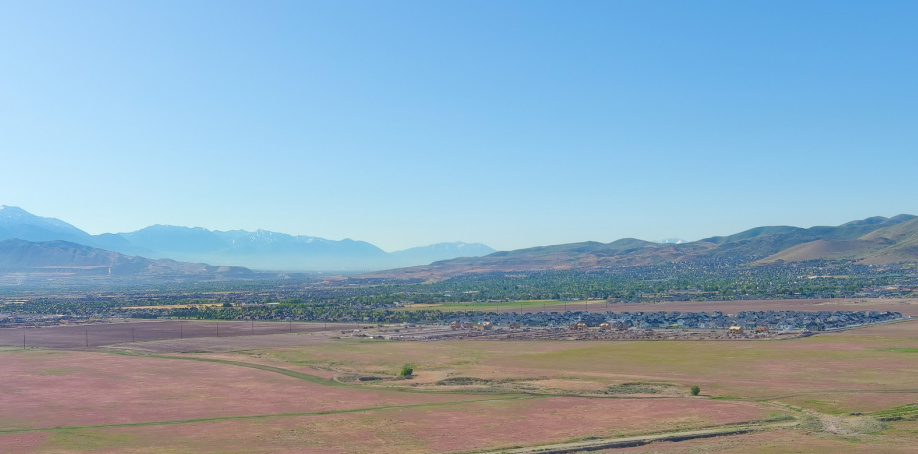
<point x="511" y="123"/>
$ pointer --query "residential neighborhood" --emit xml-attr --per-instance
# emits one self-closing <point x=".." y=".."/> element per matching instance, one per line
<point x="749" y="320"/>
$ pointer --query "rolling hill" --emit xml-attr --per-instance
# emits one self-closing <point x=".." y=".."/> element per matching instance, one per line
<point x="875" y="240"/>
<point x="892" y="242"/>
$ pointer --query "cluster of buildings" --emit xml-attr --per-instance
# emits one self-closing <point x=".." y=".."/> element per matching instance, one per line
<point x="748" y="320"/>
<point x="15" y="319"/>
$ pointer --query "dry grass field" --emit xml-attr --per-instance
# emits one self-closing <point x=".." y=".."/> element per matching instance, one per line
<point x="90" y="335"/>
<point x="67" y="401"/>
<point x="849" y="391"/>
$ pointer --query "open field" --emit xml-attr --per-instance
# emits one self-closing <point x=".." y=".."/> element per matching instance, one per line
<point x="847" y="365"/>
<point x="89" y="401"/>
<point x="422" y="429"/>
<point x="311" y="392"/>
<point x="99" y="334"/>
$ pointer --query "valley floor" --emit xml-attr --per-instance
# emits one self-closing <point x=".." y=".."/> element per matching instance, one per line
<point x="312" y="390"/>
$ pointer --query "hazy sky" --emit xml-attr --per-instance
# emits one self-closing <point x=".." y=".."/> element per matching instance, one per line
<point x="513" y="123"/>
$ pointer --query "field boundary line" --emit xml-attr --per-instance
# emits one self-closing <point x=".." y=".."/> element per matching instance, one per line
<point x="830" y="391"/>
<point x="329" y="382"/>
<point x="278" y="370"/>
<point x="639" y="440"/>
<point x="247" y="417"/>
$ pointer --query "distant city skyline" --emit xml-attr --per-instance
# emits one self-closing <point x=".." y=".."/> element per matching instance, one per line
<point x="513" y="124"/>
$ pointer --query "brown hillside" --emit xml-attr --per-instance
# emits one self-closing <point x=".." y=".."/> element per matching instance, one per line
<point x="905" y="231"/>
<point x="891" y="244"/>
<point x="876" y="240"/>
<point x="823" y="249"/>
<point x="900" y="243"/>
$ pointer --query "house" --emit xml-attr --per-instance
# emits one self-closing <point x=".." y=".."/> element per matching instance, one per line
<point x="579" y="326"/>
<point x="735" y="329"/>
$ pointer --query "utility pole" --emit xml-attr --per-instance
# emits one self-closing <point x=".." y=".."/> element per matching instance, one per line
<point x="23" y="340"/>
<point x="87" y="337"/>
<point x="253" y="327"/>
<point x="133" y="339"/>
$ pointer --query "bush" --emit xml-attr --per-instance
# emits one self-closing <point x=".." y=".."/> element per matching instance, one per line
<point x="406" y="371"/>
<point x="695" y="390"/>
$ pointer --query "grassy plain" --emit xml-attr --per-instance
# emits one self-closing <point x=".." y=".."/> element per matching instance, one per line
<point x="90" y="335"/>
<point x="313" y="393"/>
<point x="57" y="401"/>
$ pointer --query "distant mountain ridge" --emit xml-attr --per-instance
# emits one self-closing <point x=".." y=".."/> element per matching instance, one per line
<point x="876" y="240"/>
<point x="72" y="259"/>
<point x="18" y="223"/>
<point x="261" y="249"/>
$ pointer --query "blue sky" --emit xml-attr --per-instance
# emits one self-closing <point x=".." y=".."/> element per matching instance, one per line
<point x="513" y="123"/>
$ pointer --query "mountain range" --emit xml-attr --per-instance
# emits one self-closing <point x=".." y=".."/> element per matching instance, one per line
<point x="35" y="243"/>
<point x="261" y="249"/>
<point x="875" y="240"/>
<point x="63" y="258"/>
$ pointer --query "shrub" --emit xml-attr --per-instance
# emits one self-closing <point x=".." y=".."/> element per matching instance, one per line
<point x="406" y="371"/>
<point x="695" y="390"/>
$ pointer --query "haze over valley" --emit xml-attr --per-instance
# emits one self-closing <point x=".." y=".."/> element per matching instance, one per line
<point x="261" y="250"/>
<point x="33" y="243"/>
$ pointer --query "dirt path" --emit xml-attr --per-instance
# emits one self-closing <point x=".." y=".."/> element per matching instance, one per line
<point x="629" y="442"/>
